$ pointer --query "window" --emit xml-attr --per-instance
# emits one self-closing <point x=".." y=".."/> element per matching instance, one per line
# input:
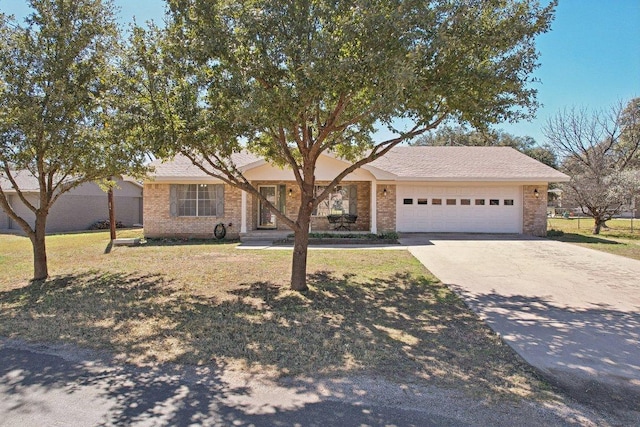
<point x="479" y="202"/>
<point x="465" y="202"/>
<point x="342" y="200"/>
<point x="508" y="202"/>
<point x="436" y="201"/>
<point x="423" y="201"/>
<point x="197" y="200"/>
<point x="451" y="202"/>
<point x="494" y="202"/>
<point x="407" y="201"/>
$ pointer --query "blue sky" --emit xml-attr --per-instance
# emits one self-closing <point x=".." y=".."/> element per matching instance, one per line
<point x="590" y="58"/>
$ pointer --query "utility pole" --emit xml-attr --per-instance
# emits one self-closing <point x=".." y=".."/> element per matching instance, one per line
<point x="112" y="213"/>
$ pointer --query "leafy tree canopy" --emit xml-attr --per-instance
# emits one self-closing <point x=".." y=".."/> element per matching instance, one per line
<point x="290" y="80"/>
<point x="63" y="116"/>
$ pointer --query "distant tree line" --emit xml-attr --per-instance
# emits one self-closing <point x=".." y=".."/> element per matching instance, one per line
<point x="463" y="136"/>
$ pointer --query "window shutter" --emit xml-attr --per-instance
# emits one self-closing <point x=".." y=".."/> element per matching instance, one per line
<point x="173" y="200"/>
<point x="220" y="200"/>
<point x="282" y="198"/>
<point x="353" y="199"/>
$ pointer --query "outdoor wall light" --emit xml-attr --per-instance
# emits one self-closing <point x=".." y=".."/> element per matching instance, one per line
<point x="290" y="192"/>
<point x="384" y="192"/>
<point x="535" y="193"/>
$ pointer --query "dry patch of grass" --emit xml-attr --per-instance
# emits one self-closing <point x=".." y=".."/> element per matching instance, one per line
<point x="616" y="239"/>
<point x="366" y="312"/>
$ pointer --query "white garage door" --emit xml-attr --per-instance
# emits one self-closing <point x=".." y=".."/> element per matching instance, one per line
<point x="422" y="208"/>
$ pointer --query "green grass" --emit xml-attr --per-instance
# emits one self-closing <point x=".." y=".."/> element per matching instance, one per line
<point x="618" y="238"/>
<point x="366" y="312"/>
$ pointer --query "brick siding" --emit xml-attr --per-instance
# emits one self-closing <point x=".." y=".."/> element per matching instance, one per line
<point x="386" y="212"/>
<point x="534" y="221"/>
<point x="158" y="221"/>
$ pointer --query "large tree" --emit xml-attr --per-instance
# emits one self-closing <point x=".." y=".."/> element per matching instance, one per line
<point x="600" y="151"/>
<point x="463" y="136"/>
<point x="290" y="80"/>
<point x="62" y="115"/>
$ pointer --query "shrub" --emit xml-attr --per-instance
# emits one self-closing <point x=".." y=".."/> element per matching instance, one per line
<point x="360" y="236"/>
<point x="104" y="225"/>
<point x="555" y="233"/>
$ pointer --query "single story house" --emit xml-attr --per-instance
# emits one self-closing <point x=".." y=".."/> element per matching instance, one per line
<point x="410" y="189"/>
<point x="76" y="209"/>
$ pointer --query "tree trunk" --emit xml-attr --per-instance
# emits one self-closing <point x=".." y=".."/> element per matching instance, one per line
<point x="40" y="269"/>
<point x="300" y="247"/>
<point x="598" y="225"/>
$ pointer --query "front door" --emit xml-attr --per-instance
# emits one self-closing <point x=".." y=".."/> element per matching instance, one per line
<point x="266" y="219"/>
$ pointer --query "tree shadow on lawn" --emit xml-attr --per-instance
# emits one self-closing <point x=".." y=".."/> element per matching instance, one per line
<point x="47" y="384"/>
<point x="98" y="391"/>
<point x="590" y="353"/>
<point x="403" y="328"/>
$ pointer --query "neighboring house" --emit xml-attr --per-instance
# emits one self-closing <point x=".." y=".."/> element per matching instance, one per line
<point x="410" y="189"/>
<point x="76" y="209"/>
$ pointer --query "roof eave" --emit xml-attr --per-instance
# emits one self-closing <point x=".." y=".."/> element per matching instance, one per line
<point x="380" y="174"/>
<point x="252" y="165"/>
<point x="482" y="179"/>
<point x="179" y="179"/>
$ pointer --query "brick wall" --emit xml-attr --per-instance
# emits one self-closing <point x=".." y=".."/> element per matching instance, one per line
<point x="535" y="210"/>
<point x="386" y="213"/>
<point x="158" y="221"/>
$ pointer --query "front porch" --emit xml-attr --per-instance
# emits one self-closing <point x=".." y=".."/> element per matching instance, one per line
<point x="351" y="208"/>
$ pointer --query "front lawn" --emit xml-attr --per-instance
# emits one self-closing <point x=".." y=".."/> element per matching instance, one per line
<point x="369" y="312"/>
<point x="618" y="238"/>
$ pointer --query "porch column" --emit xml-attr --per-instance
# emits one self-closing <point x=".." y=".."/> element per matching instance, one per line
<point x="243" y="212"/>
<point x="374" y="207"/>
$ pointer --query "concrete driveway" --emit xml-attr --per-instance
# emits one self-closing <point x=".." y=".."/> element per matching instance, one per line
<point x="572" y="312"/>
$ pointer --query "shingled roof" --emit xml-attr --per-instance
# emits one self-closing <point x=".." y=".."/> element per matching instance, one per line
<point x="465" y="164"/>
<point x="412" y="164"/>
<point x="182" y="167"/>
<point x="28" y="183"/>
<point x="25" y="180"/>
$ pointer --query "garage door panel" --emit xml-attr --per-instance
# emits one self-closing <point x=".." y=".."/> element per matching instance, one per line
<point x="459" y="217"/>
